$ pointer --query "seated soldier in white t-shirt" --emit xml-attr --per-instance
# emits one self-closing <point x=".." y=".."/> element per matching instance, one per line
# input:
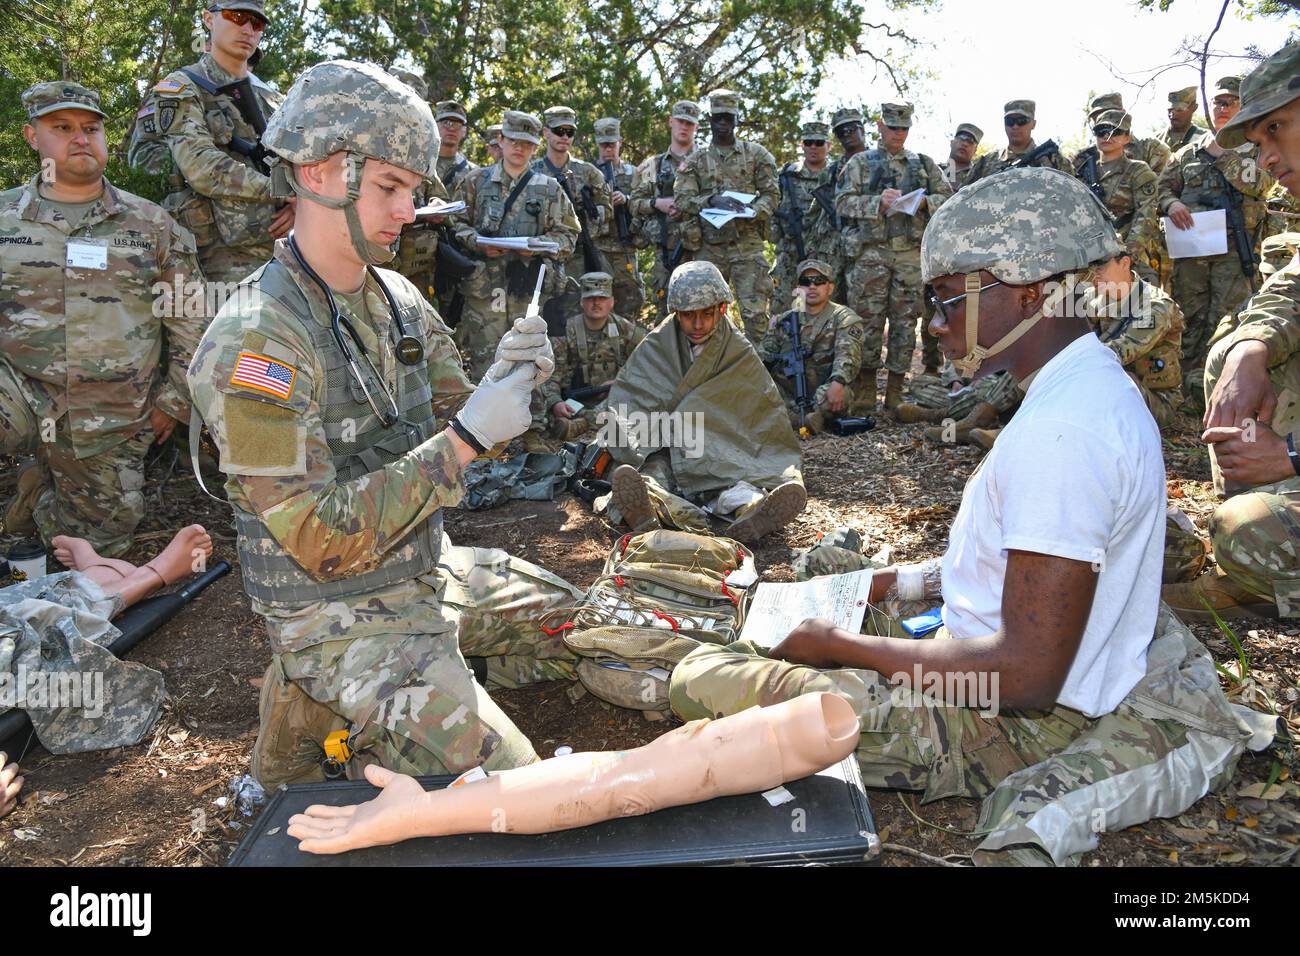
<point x="1060" y="669"/>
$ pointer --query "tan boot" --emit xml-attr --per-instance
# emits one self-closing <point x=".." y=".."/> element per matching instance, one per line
<point x="632" y="499"/>
<point x="18" y="516"/>
<point x="894" y="390"/>
<point x="533" y="443"/>
<point x="1229" y="599"/>
<point x="569" y="429"/>
<point x="981" y="416"/>
<point x="780" y="506"/>
<point x="985" y="437"/>
<point x="910" y="414"/>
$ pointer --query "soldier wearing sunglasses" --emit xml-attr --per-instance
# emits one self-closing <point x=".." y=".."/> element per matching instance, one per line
<point x="821" y="223"/>
<point x="1018" y="119"/>
<point x="209" y="117"/>
<point x="789" y="228"/>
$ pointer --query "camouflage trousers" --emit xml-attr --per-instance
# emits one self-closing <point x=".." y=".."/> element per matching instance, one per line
<point x="399" y="678"/>
<point x="1050" y="781"/>
<point x="232" y="264"/>
<point x="885" y="288"/>
<point x="629" y="289"/>
<point x="1000" y="389"/>
<point x="744" y="266"/>
<point x="659" y="276"/>
<point x="1205" y="289"/>
<point x="816" y="416"/>
<point x="99" y="497"/>
<point x="1256" y="531"/>
<point x="482" y="324"/>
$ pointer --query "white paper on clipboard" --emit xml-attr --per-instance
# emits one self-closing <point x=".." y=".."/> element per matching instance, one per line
<point x="777" y="609"/>
<point x="1207" y="237"/>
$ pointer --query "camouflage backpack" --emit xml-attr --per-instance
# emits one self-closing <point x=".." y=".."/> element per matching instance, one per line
<point x="661" y="594"/>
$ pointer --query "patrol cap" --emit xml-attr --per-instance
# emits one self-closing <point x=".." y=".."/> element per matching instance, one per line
<point x="971" y="130"/>
<point x="1122" y="120"/>
<point x="815" y="129"/>
<point x="516" y="124"/>
<point x="1019" y="108"/>
<point x="492" y="132"/>
<point x="1184" y="98"/>
<point x="843" y="117"/>
<point x="608" y="129"/>
<point x="816" y="265"/>
<point x="1277" y="250"/>
<point x="414" y="80"/>
<point x="555" y="116"/>
<point x="1106" y="101"/>
<point x="597" y="285"/>
<point x="1270" y="86"/>
<point x="724" y="101"/>
<point x="450" y="109"/>
<point x="896" y="114"/>
<point x="252" y="6"/>
<point x="687" y="110"/>
<point x="59" y="95"/>
<point x="1229" y="86"/>
<point x="697" y="285"/>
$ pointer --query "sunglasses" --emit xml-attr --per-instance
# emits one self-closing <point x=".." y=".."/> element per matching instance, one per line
<point x="1104" y="132"/>
<point x="941" y="305"/>
<point x="965" y="137"/>
<point x="813" y="280"/>
<point x="240" y="17"/>
<point x="848" y="129"/>
<point x="814" y="142"/>
<point x="896" y="129"/>
<point x="568" y="132"/>
<point x="451" y="121"/>
<point x="1016" y="120"/>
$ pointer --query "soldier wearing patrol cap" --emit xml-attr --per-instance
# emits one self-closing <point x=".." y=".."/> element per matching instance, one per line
<point x="452" y="127"/>
<point x="655" y="215"/>
<point x="1149" y="150"/>
<point x="823" y="236"/>
<point x="326" y="394"/>
<point x="492" y="140"/>
<point x="509" y="199"/>
<point x="1182" y="107"/>
<point x="1203" y="176"/>
<point x="882" y="251"/>
<point x="960" y="151"/>
<point x="796" y="181"/>
<point x="831" y="335"/>
<point x="1125" y="717"/>
<point x="1018" y="119"/>
<point x="729" y="164"/>
<point x="98" y="321"/>
<point x="1252" y="386"/>
<point x="208" y="117"/>
<point x="619" y="239"/>
<point x="596" y="343"/>
<point x="587" y="190"/>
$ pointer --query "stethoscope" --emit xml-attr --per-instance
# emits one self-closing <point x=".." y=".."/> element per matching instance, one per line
<point x="410" y="350"/>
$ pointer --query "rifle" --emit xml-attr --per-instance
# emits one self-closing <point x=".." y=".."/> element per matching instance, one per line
<point x="1235" y="214"/>
<point x="622" y="217"/>
<point x="585" y="207"/>
<point x="792" y="218"/>
<point x="594" y="463"/>
<point x="583" y="392"/>
<point x="664" y="187"/>
<point x="241" y="94"/>
<point x="1035" y="154"/>
<point x="825" y="195"/>
<point x="792" y="364"/>
<point x="1090" y="173"/>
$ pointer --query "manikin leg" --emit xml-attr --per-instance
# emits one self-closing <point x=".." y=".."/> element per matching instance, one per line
<point x="755" y="750"/>
<point x="176" y="561"/>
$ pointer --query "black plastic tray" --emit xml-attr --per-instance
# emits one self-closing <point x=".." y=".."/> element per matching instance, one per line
<point x="829" y="821"/>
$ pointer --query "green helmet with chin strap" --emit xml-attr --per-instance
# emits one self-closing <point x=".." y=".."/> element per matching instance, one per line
<point x="1022" y="226"/>
<point x="341" y="106"/>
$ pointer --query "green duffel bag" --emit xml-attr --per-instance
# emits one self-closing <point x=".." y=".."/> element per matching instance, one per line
<point x="661" y="593"/>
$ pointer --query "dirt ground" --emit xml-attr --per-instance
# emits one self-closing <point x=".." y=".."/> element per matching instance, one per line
<point x="166" y="801"/>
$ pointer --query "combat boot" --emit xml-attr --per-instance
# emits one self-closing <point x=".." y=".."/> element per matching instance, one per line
<point x="533" y="442"/>
<point x="777" y="509"/>
<point x="911" y="414"/>
<point x="632" y="499"/>
<point x="894" y="390"/>
<point x="982" y="416"/>
<point x="985" y="437"/>
<point x="1228" y="599"/>
<point x="569" y="429"/>
<point x="18" y="516"/>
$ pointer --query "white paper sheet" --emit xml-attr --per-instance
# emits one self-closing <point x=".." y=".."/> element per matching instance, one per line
<point x="777" y="609"/>
<point x="525" y="243"/>
<point x="743" y="198"/>
<point x="717" y="218"/>
<point x="1207" y="237"/>
<point x="440" y="208"/>
<point x="908" y="204"/>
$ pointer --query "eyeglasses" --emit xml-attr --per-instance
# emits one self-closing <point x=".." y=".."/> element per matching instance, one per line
<point x="1225" y="103"/>
<point x="568" y="132"/>
<point x="1104" y="132"/>
<point x="814" y="142"/>
<point x="813" y="280"/>
<point x="240" y="17"/>
<point x="1016" y="120"/>
<point x="941" y="305"/>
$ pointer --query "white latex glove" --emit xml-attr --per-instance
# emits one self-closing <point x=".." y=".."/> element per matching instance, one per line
<point x="499" y="408"/>
<point x="526" y="341"/>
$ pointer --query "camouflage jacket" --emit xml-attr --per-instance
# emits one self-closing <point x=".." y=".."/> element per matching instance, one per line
<point x="607" y="237"/>
<point x="452" y="169"/>
<point x="1271" y="316"/>
<point x="587" y="193"/>
<point x="822" y="227"/>
<point x="655" y="179"/>
<point x="1153" y="152"/>
<point x="795" y="206"/>
<point x="745" y="167"/>
<point x="1191" y="178"/>
<point x="88" y="339"/>
<point x="1176" y="142"/>
<point x="275" y="452"/>
<point x="991" y="163"/>
<point x="857" y="198"/>
<point x="1145" y="332"/>
<point x="956" y="178"/>
<point x="1130" y="191"/>
<point x="223" y="198"/>
<point x="594" y="357"/>
<point x="832" y="340"/>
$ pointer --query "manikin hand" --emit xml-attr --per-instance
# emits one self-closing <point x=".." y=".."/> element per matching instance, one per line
<point x="10" y="784"/>
<point x="388" y="818"/>
<point x="527" y="342"/>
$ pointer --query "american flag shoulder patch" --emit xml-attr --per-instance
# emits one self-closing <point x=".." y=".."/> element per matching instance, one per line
<point x="264" y="374"/>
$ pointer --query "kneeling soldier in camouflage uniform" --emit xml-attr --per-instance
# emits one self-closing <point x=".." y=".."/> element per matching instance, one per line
<point x="831" y="335"/>
<point x="90" y="277"/>
<point x="595" y="346"/>
<point x="1064" y="698"/>
<point x="326" y="396"/>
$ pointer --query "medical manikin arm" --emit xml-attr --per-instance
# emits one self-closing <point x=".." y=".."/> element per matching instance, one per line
<point x="744" y="753"/>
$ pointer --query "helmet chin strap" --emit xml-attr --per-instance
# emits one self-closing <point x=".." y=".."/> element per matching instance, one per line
<point x="371" y="253"/>
<point x="975" y="355"/>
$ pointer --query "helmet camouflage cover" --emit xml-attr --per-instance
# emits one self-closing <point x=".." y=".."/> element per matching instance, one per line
<point x="696" y="285"/>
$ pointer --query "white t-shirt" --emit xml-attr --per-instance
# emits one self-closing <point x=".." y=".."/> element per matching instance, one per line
<point x="1078" y="474"/>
